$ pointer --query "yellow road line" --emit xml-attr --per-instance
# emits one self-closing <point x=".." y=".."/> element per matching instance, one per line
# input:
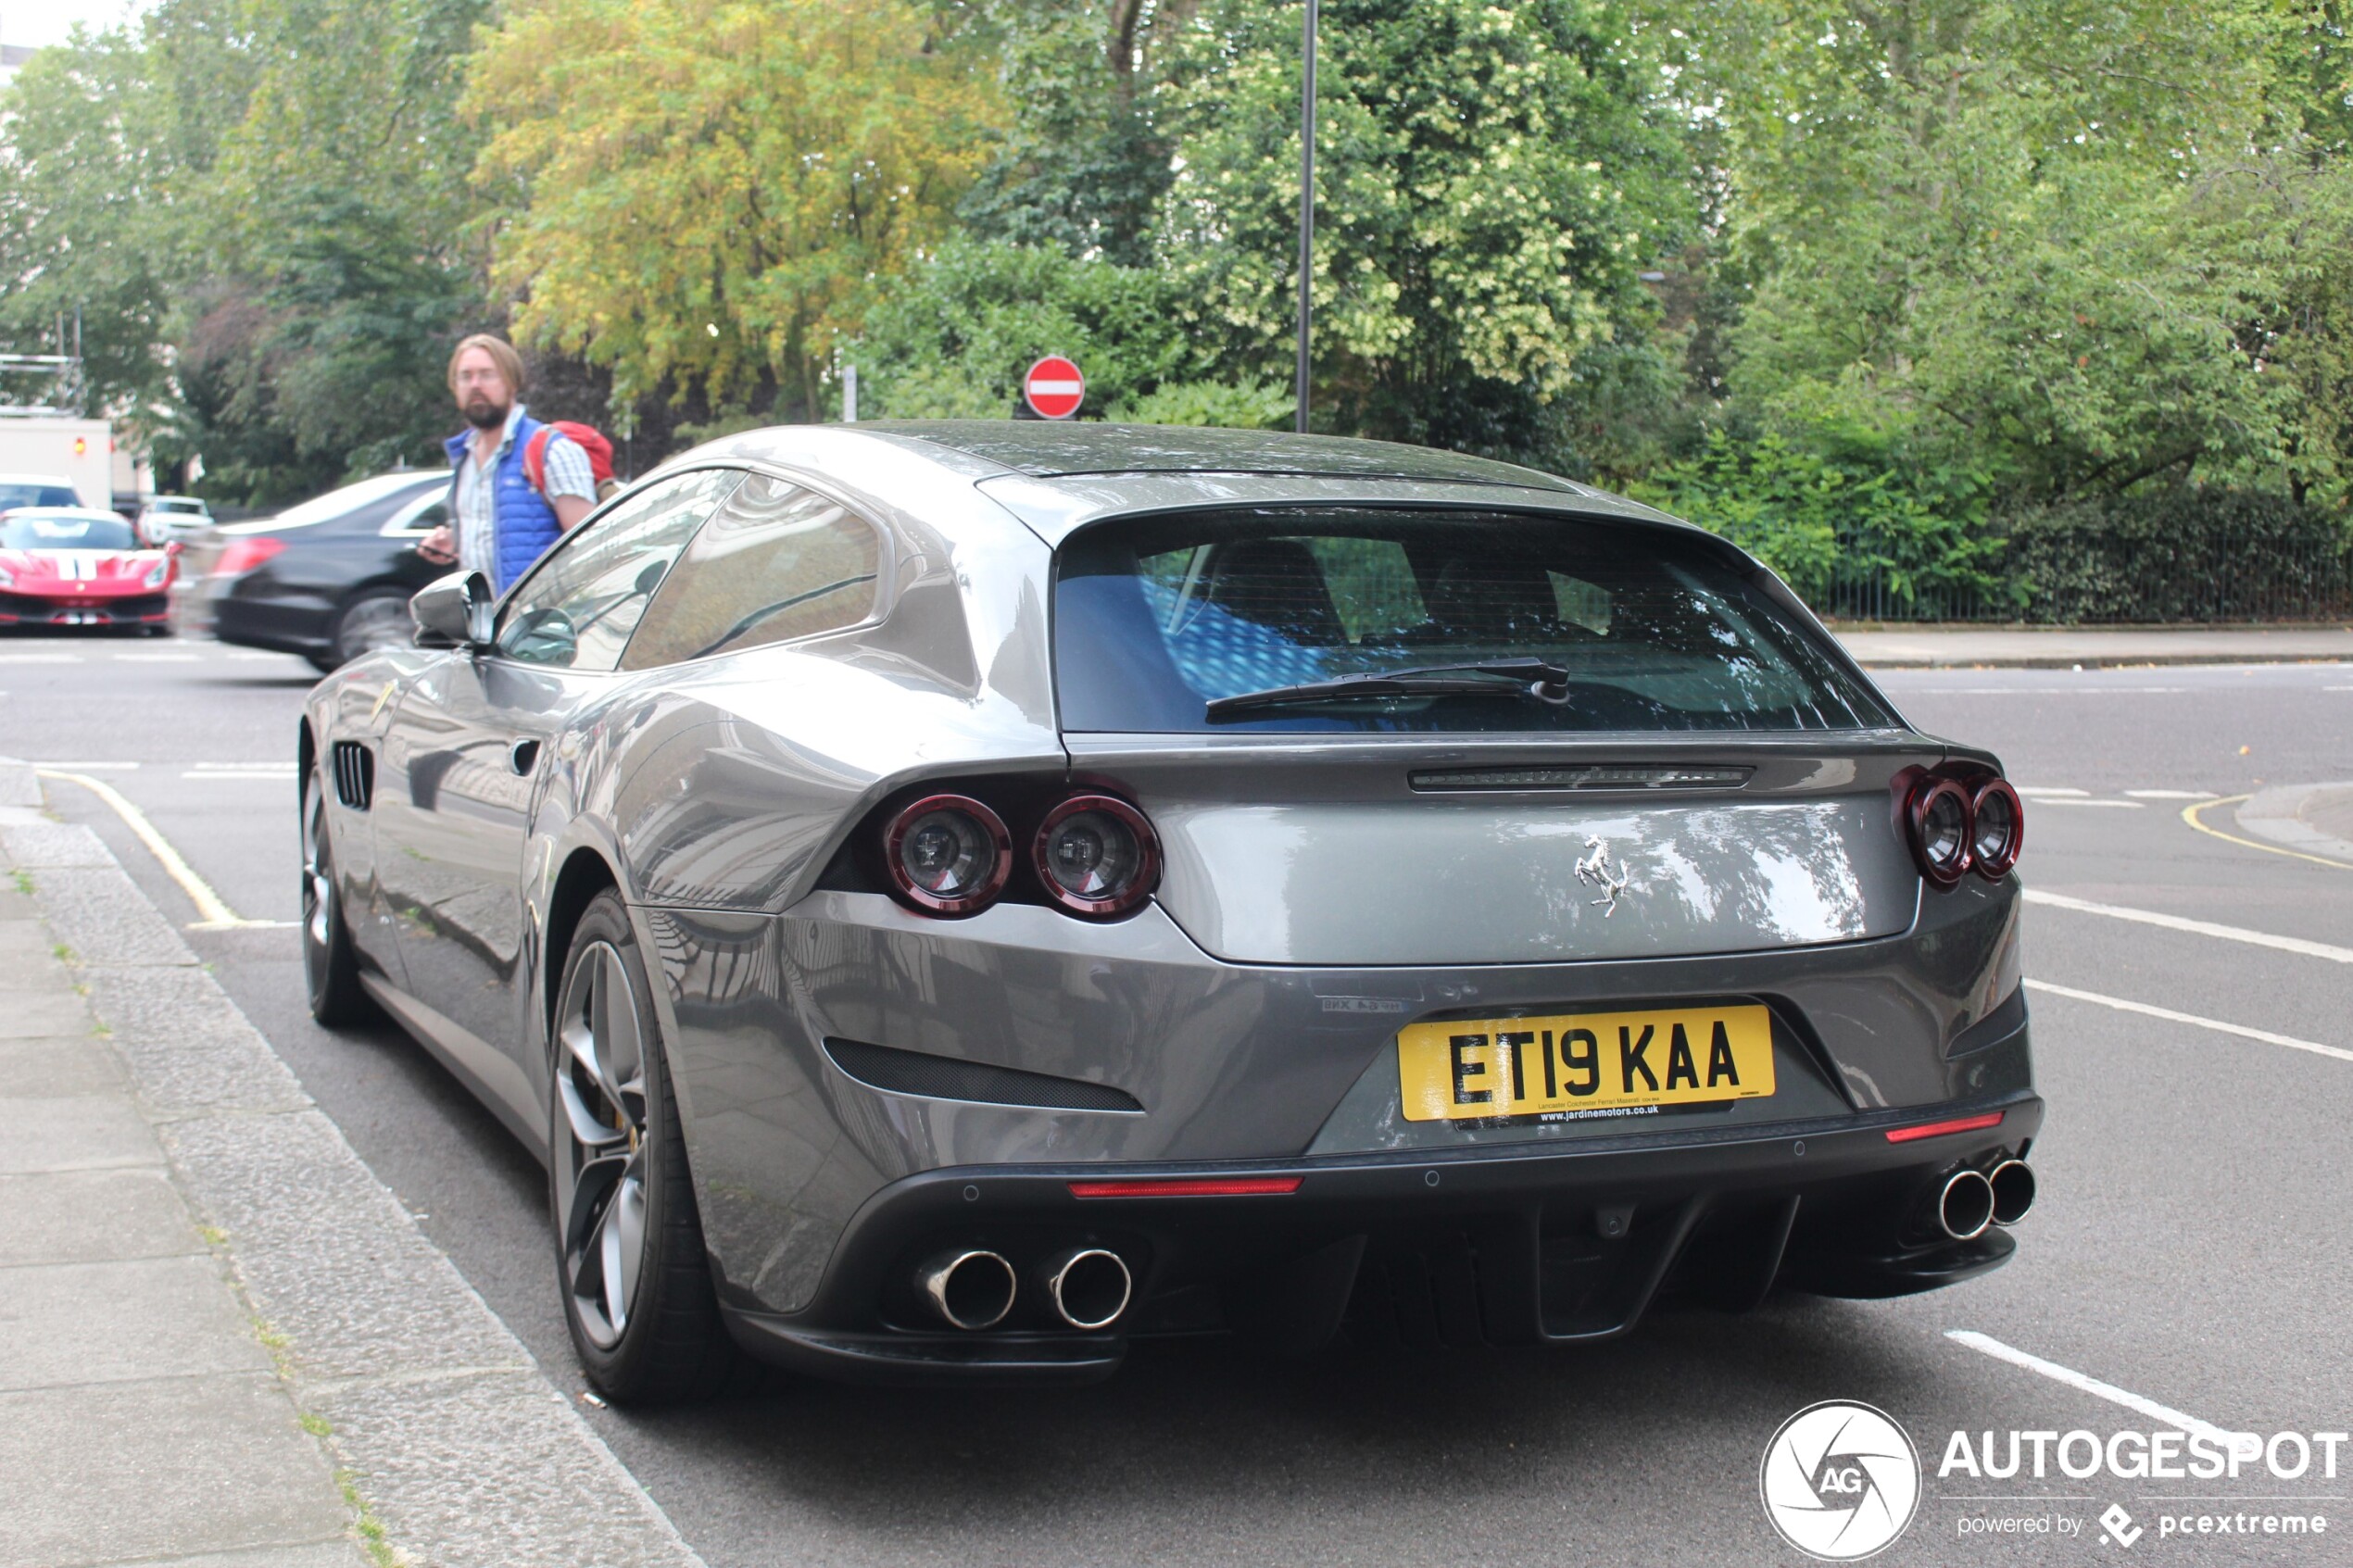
<point x="213" y="912"/>
<point x="2189" y="815"/>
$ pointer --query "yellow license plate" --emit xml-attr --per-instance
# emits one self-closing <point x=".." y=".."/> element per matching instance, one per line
<point x="1478" y="1070"/>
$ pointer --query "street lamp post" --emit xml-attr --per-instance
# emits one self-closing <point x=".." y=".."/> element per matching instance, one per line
<point x="1306" y="201"/>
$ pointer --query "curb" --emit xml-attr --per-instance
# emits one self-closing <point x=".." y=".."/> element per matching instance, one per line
<point x="2278" y="814"/>
<point x="453" y="1438"/>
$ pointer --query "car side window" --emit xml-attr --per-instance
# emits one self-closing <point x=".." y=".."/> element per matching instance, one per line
<point x="776" y="562"/>
<point x="578" y="609"/>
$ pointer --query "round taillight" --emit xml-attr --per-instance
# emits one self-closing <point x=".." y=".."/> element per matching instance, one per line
<point x="1097" y="856"/>
<point x="1939" y="818"/>
<point x="949" y="855"/>
<point x="1997" y="830"/>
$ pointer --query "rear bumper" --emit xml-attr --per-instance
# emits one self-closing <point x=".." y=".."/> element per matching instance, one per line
<point x="1503" y="1245"/>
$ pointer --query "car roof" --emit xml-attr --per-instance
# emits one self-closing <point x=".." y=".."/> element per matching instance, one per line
<point x="1044" y="449"/>
<point x="344" y="500"/>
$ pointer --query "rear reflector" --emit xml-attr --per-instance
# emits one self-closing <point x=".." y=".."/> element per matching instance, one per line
<point x="1938" y="1129"/>
<point x="1190" y="1186"/>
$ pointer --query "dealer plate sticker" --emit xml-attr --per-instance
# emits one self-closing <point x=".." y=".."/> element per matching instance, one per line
<point x="1484" y="1070"/>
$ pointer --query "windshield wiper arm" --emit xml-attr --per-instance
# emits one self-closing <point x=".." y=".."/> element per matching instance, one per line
<point x="1530" y="677"/>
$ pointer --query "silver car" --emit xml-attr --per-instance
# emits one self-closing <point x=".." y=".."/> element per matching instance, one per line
<point x="946" y="900"/>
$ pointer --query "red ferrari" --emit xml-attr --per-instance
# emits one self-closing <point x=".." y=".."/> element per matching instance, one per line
<point x="67" y="566"/>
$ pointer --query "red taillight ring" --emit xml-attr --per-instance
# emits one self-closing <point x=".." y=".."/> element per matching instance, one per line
<point x="1995" y="868"/>
<point x="924" y="899"/>
<point x="1943" y="873"/>
<point x="1139" y="886"/>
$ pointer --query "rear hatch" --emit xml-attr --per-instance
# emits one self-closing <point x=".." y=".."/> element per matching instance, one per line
<point x="1412" y="736"/>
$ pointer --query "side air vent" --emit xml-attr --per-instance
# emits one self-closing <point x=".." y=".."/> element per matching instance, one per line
<point x="1600" y="777"/>
<point x="355" y="769"/>
<point x="940" y="1077"/>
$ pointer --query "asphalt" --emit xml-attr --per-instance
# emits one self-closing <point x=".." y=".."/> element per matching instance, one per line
<point x="2189" y="1250"/>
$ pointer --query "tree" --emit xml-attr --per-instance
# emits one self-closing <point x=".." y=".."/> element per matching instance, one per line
<point x="1974" y="229"/>
<point x="705" y="193"/>
<point x="1491" y="183"/>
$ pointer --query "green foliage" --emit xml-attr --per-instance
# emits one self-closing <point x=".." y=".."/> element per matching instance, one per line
<point x="1489" y="182"/>
<point x="952" y="338"/>
<point x="1823" y="518"/>
<point x="2180" y="554"/>
<point x="705" y="194"/>
<point x="1254" y="406"/>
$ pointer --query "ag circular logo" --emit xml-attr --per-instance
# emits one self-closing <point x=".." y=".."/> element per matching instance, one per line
<point x="1840" y="1480"/>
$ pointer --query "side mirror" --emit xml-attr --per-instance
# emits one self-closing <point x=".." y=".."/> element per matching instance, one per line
<point x="453" y="612"/>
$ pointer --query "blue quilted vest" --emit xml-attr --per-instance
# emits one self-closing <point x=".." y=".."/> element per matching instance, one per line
<point x="523" y="522"/>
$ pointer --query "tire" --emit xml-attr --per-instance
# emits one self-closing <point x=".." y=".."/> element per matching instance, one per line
<point x="329" y="965"/>
<point x="618" y="1184"/>
<point x="372" y="618"/>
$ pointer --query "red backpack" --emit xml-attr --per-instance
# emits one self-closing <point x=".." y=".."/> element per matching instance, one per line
<point x="587" y="438"/>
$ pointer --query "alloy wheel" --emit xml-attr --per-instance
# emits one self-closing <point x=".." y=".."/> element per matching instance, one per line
<point x="601" y="1185"/>
<point x="318" y="882"/>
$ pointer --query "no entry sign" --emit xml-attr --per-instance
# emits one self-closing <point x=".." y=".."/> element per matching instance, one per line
<point x="1053" y="388"/>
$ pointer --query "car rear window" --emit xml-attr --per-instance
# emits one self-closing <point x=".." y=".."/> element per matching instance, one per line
<point x="1157" y="620"/>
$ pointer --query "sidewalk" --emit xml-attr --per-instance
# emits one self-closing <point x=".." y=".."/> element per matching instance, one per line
<point x="141" y="1417"/>
<point x="223" y="1343"/>
<point x="2062" y="647"/>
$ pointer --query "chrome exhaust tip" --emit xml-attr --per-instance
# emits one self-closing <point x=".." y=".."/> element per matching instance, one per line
<point x="1965" y="1207"/>
<point x="1088" y="1287"/>
<point x="969" y="1287"/>
<point x="2013" y="1185"/>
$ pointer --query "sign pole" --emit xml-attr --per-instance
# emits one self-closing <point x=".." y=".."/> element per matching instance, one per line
<point x="1306" y="201"/>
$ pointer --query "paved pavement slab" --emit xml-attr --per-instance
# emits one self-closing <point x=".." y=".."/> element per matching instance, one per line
<point x="75" y="1325"/>
<point x="173" y="1466"/>
<point x="73" y="1133"/>
<point x="93" y="1216"/>
<point x="48" y="1068"/>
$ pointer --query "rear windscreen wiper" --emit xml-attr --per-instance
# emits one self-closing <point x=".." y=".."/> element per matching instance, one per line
<point x="1527" y="677"/>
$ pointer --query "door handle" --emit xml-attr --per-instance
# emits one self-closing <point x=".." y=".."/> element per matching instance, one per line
<point x="522" y="757"/>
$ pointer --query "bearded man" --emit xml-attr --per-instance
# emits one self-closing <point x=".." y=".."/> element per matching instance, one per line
<point x="500" y="523"/>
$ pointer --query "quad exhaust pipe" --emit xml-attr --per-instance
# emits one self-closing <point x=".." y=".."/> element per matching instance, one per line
<point x="1088" y="1287"/>
<point x="1965" y="1205"/>
<point x="969" y="1287"/>
<point x="2013" y="1185"/>
<point x="1970" y="1201"/>
<point x="973" y="1288"/>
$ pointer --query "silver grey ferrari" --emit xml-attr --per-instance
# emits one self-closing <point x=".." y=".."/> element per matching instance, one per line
<point x="948" y="900"/>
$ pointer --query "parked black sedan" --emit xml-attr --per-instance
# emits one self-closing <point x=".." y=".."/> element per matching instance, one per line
<point x="330" y="579"/>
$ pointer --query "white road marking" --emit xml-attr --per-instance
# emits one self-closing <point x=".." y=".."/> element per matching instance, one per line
<point x="1987" y="1344"/>
<point x="2037" y="792"/>
<point x="2172" y="795"/>
<point x="225" y="774"/>
<point x="2195" y="927"/>
<point x="40" y="659"/>
<point x="280" y="765"/>
<point x="213" y="913"/>
<point x="2122" y="1004"/>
